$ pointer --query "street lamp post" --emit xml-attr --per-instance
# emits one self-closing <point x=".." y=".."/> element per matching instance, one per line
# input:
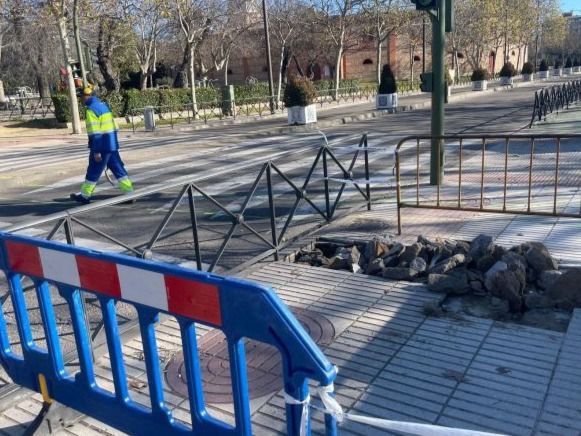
<point x="268" y="57"/>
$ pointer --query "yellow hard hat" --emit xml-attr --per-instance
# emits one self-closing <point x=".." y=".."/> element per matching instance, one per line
<point x="88" y="90"/>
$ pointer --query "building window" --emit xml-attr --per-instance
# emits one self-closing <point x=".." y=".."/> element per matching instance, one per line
<point x="230" y="72"/>
<point x="368" y="62"/>
<point x="513" y="53"/>
<point x="417" y="58"/>
<point x="265" y="68"/>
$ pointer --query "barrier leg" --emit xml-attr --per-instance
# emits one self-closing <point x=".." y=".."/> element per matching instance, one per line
<point x="53" y="416"/>
<point x="297" y="423"/>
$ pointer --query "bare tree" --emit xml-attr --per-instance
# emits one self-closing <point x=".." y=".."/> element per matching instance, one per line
<point x="287" y="20"/>
<point x="338" y="19"/>
<point x="384" y="18"/>
<point x="195" y="18"/>
<point x="226" y="31"/>
<point x="148" y="17"/>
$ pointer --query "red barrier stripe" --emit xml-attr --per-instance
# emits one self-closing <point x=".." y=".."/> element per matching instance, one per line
<point x="24" y="258"/>
<point x="99" y="276"/>
<point x="196" y="300"/>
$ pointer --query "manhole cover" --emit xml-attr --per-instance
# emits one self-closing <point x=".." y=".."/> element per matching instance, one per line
<point x="263" y="362"/>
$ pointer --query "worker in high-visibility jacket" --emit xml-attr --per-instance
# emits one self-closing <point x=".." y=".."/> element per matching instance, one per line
<point x="103" y="146"/>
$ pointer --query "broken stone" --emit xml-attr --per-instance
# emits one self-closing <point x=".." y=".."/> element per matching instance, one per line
<point x="477" y="287"/>
<point x="448" y="264"/>
<point x="454" y="283"/>
<point x="419" y="265"/>
<point x="395" y="250"/>
<point x="480" y="246"/>
<point x="498" y="252"/>
<point x="566" y="290"/>
<point x="410" y="252"/>
<point x="485" y="263"/>
<point x="390" y="261"/>
<point x="491" y="273"/>
<point x="539" y="258"/>
<point x="399" y="273"/>
<point x="375" y="248"/>
<point x="375" y="266"/>
<point x="462" y="247"/>
<point x="534" y="300"/>
<point x="345" y="258"/>
<point x="506" y="285"/>
<point x="518" y="265"/>
<point x="546" y="279"/>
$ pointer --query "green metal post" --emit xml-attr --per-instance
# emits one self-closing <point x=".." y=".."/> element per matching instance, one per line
<point x="438" y="94"/>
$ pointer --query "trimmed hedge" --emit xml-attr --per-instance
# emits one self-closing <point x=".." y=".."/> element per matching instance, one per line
<point x="528" y="68"/>
<point x="122" y="103"/>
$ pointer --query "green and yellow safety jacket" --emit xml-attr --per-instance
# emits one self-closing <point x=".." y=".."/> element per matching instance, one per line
<point x="100" y="127"/>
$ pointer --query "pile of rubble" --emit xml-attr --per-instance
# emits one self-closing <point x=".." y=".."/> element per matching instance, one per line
<point x="526" y="276"/>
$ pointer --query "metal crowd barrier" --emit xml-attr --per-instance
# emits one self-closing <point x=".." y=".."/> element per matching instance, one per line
<point x="478" y="170"/>
<point x="554" y="98"/>
<point x="240" y="309"/>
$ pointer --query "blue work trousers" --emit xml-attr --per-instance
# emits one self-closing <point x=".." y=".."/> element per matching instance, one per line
<point x="109" y="159"/>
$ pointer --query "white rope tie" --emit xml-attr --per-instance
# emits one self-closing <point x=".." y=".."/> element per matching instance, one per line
<point x="288" y="399"/>
<point x="333" y="408"/>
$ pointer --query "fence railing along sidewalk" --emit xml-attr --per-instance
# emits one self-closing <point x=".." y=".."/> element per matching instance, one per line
<point x="504" y="174"/>
<point x="554" y="98"/>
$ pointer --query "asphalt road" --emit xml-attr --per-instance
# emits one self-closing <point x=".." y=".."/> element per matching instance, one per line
<point x="36" y="180"/>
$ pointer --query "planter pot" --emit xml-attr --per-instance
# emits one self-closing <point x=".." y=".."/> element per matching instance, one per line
<point x="543" y="74"/>
<point x="527" y="77"/>
<point x="558" y="72"/>
<point x="568" y="71"/>
<point x="479" y="85"/>
<point x="506" y="81"/>
<point x="386" y="101"/>
<point x="302" y="114"/>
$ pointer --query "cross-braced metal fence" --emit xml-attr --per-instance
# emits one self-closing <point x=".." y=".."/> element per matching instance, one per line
<point x="334" y="173"/>
<point x="555" y="98"/>
<point x="29" y="108"/>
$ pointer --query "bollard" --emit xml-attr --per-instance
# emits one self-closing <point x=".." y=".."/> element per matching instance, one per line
<point x="149" y="118"/>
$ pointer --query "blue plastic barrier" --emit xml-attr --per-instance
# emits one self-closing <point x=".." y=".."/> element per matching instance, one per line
<point x="240" y="309"/>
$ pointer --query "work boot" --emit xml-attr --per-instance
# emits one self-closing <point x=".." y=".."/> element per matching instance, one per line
<point x="80" y="199"/>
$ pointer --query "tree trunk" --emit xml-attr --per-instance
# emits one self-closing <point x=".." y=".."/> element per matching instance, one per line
<point x="338" y="72"/>
<point x="143" y="79"/>
<point x="43" y="86"/>
<point x="2" y="94"/>
<point x="104" y="59"/>
<point x="456" y="66"/>
<point x="378" y="61"/>
<point x="76" y="119"/>
<point x="226" y="71"/>
<point x="181" y="80"/>
<point x="280" y="68"/>
<point x="193" y="82"/>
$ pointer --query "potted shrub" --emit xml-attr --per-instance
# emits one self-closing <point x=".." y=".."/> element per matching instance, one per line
<point x="544" y="70"/>
<point x="299" y="96"/>
<point x="568" y="66"/>
<point x="387" y="92"/>
<point x="558" y="71"/>
<point x="507" y="72"/>
<point x="479" y="79"/>
<point x="527" y="72"/>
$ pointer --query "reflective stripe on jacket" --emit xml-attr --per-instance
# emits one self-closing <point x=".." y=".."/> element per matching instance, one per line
<point x="101" y="127"/>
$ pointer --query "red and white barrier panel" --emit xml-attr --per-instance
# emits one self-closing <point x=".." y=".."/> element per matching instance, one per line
<point x="196" y="300"/>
